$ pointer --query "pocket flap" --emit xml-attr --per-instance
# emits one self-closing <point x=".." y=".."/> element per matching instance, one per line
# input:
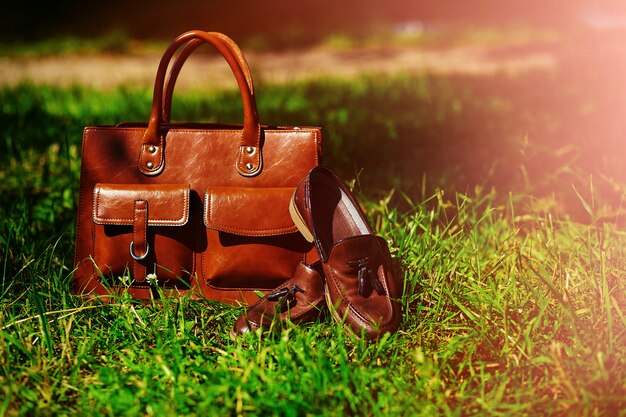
<point x="248" y="211"/>
<point x="168" y="204"/>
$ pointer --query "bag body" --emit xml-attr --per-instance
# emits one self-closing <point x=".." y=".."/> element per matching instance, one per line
<point x="191" y="207"/>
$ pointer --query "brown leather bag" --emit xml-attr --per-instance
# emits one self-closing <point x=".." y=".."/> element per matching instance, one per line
<point x="191" y="207"/>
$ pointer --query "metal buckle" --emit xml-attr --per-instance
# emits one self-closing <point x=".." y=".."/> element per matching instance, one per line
<point x="139" y="258"/>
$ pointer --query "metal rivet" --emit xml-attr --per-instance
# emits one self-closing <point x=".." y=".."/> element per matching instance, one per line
<point x="249" y="149"/>
<point x="249" y="166"/>
<point x="152" y="149"/>
<point x="150" y="165"/>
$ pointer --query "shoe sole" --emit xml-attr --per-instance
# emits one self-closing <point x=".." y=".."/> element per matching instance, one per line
<point x="298" y="220"/>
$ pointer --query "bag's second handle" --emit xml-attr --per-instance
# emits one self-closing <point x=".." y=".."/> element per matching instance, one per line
<point x="226" y="50"/>
<point x="249" y="158"/>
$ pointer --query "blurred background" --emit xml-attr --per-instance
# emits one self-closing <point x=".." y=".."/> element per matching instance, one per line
<point x="472" y="97"/>
<point x="285" y="24"/>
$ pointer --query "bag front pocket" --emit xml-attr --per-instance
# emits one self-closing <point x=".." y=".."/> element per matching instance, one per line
<point x="142" y="234"/>
<point x="252" y="243"/>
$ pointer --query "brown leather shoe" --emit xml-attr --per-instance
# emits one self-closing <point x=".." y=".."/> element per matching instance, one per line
<point x="361" y="290"/>
<point x="301" y="299"/>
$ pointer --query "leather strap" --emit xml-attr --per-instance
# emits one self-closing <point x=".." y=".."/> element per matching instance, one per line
<point x="139" y="247"/>
<point x="249" y="159"/>
<point x="227" y="48"/>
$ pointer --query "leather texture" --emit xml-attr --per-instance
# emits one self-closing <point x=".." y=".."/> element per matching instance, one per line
<point x="222" y="211"/>
<point x="361" y="288"/>
<point x="139" y="246"/>
<point x="143" y="189"/>
<point x="299" y="300"/>
<point x="113" y="203"/>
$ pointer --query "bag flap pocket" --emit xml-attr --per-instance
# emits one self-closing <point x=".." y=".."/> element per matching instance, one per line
<point x="248" y="211"/>
<point x="168" y="204"/>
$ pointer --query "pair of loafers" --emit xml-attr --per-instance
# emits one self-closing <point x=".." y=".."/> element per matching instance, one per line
<point x="354" y="277"/>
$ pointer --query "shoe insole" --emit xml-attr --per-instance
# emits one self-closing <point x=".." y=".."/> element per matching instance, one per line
<point x="335" y="216"/>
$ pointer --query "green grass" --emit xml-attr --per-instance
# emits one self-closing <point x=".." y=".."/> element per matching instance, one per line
<point x="114" y="42"/>
<point x="513" y="305"/>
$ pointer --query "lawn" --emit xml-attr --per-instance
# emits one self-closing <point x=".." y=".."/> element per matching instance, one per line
<point x="501" y="198"/>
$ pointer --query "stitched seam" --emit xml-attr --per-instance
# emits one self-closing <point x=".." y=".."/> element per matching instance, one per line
<point x="208" y="198"/>
<point x="270" y="232"/>
<point x="258" y="143"/>
<point x="79" y="217"/>
<point x="159" y="156"/>
<point x="240" y="161"/>
<point x="384" y="282"/>
<point x="207" y="204"/>
<point x="128" y="221"/>
<point x="344" y="300"/>
<point x="135" y="129"/>
<point x="237" y="290"/>
<point x="96" y="201"/>
<point x="354" y="309"/>
<point x="205" y="130"/>
<point x="136" y="263"/>
<point x="164" y="222"/>
<point x="315" y="152"/>
<point x="238" y="130"/>
<point x="134" y="220"/>
<point x="133" y="240"/>
<point x="117" y="129"/>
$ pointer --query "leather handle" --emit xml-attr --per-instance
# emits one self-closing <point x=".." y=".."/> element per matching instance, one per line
<point x="227" y="48"/>
<point x="249" y="159"/>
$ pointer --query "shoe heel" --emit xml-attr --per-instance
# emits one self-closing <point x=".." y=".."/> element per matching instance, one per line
<point x="299" y="221"/>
